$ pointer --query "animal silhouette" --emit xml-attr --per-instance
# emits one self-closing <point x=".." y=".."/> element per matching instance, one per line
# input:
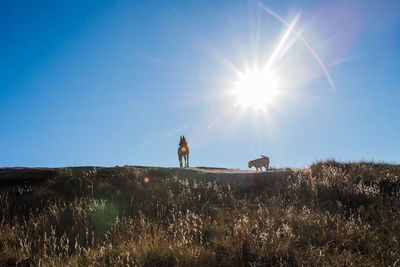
<point x="183" y="151"/>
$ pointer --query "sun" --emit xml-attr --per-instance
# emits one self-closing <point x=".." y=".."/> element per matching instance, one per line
<point x="256" y="88"/>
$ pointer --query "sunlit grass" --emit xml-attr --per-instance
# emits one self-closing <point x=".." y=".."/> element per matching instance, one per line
<point x="330" y="214"/>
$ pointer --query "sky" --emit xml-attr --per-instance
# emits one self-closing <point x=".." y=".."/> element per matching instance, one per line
<point x="110" y="83"/>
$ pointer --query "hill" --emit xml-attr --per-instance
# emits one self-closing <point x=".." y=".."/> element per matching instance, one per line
<point x="328" y="214"/>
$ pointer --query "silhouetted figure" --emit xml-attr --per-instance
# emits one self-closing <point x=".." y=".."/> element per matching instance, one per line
<point x="183" y="150"/>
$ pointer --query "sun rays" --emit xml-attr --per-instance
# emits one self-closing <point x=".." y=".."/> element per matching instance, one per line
<point x="262" y="84"/>
<point x="257" y="87"/>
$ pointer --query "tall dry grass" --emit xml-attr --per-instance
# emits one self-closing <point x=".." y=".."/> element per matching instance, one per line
<point x="329" y="214"/>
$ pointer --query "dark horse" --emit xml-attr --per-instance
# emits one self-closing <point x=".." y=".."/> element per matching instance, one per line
<point x="183" y="150"/>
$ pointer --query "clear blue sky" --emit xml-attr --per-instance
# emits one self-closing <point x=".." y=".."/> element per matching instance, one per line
<point x="116" y="82"/>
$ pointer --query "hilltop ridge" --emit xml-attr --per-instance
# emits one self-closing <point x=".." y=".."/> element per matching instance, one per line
<point x="38" y="174"/>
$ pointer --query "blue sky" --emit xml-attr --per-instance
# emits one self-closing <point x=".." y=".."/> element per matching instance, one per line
<point x="117" y="82"/>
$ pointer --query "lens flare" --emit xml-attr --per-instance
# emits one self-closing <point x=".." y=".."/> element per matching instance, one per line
<point x="304" y="42"/>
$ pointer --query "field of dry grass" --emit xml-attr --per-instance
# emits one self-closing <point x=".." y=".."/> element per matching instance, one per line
<point x="331" y="214"/>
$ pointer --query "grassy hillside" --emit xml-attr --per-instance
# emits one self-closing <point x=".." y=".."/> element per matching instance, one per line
<point x="329" y="214"/>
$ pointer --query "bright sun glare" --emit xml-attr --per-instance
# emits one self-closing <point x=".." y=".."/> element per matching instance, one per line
<point x="256" y="88"/>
